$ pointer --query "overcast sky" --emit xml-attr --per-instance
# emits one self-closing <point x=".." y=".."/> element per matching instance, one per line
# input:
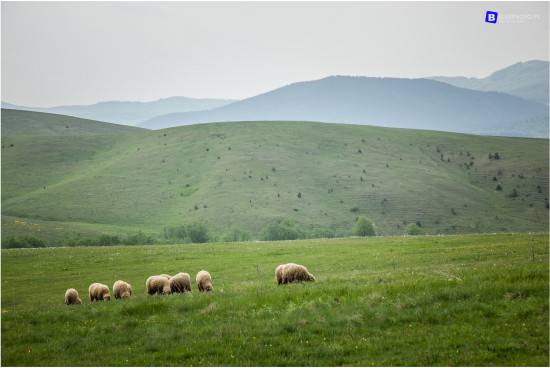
<point x="67" y="53"/>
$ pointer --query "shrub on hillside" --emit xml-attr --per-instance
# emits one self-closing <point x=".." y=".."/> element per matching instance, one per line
<point x="284" y="230"/>
<point x="236" y="235"/>
<point x="363" y="227"/>
<point x="197" y="232"/>
<point x="414" y="229"/>
<point x="22" y="241"/>
<point x="139" y="239"/>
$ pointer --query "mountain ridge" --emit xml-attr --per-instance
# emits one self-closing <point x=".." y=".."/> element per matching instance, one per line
<point x="389" y="102"/>
<point x="528" y="80"/>
<point x="127" y="112"/>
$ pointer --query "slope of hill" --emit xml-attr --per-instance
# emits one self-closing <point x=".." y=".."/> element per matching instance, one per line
<point x="126" y="112"/>
<point x="249" y="174"/>
<point x="18" y="122"/>
<point x="390" y="102"/>
<point x="527" y="80"/>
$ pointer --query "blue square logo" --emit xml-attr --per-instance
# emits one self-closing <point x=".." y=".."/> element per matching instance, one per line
<point x="491" y="17"/>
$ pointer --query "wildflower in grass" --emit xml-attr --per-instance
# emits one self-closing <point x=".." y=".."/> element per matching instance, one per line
<point x="30" y="351"/>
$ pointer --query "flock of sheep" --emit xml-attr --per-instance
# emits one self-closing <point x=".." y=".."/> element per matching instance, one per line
<point x="180" y="283"/>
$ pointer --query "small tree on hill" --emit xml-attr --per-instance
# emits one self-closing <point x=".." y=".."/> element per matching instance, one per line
<point x="363" y="227"/>
<point x="414" y="229"/>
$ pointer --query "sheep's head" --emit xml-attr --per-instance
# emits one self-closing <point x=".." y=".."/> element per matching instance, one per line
<point x="106" y="297"/>
<point x="125" y="294"/>
<point x="78" y="301"/>
<point x="208" y="287"/>
<point x="166" y="290"/>
<point x="310" y="277"/>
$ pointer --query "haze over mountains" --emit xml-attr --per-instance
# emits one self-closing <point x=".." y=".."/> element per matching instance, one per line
<point x="389" y="102"/>
<point x="528" y="80"/>
<point x="510" y="102"/>
<point x="126" y="112"/>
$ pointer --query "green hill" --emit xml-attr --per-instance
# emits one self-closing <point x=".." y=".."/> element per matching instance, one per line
<point x="249" y="174"/>
<point x="19" y="122"/>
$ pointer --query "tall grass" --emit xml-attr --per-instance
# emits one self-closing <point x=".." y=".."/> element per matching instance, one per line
<point x="474" y="300"/>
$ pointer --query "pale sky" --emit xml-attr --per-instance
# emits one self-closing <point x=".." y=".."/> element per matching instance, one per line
<point x="67" y="53"/>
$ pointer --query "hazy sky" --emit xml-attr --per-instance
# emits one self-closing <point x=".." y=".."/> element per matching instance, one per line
<point x="84" y="52"/>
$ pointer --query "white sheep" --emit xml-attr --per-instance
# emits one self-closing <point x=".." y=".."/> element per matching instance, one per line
<point x="291" y="272"/>
<point x="157" y="285"/>
<point x="180" y="283"/>
<point x="99" y="292"/>
<point x="122" y="289"/>
<point x="204" y="281"/>
<point x="71" y="297"/>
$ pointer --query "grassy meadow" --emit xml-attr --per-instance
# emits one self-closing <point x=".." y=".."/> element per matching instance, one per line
<point x="459" y="300"/>
<point x="250" y="174"/>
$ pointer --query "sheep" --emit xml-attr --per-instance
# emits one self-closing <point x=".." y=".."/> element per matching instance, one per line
<point x="204" y="281"/>
<point x="165" y="275"/>
<point x="71" y="297"/>
<point x="158" y="285"/>
<point x="293" y="272"/>
<point x="99" y="292"/>
<point x="180" y="283"/>
<point x="122" y="289"/>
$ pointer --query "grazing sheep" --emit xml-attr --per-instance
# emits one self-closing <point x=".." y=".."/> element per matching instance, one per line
<point x="122" y="289"/>
<point x="204" y="281"/>
<point x="180" y="283"/>
<point x="71" y="297"/>
<point x="165" y="275"/>
<point x="293" y="272"/>
<point x="99" y="292"/>
<point x="158" y="285"/>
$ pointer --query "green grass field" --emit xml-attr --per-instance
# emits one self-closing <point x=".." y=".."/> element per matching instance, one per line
<point x="249" y="174"/>
<point x="463" y="300"/>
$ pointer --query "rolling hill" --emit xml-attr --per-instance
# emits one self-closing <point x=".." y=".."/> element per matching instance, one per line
<point x="19" y="122"/>
<point x="389" y="102"/>
<point x="528" y="80"/>
<point x="249" y="174"/>
<point x="128" y="112"/>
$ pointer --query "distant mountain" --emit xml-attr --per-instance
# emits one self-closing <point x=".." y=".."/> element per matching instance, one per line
<point x="128" y="113"/>
<point x="527" y="80"/>
<point x="389" y="102"/>
<point x="30" y="123"/>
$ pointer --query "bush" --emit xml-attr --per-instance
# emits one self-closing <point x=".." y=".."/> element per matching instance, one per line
<point x="22" y="241"/>
<point x="236" y="235"/>
<point x="105" y="240"/>
<point x="285" y="230"/>
<point x="363" y="227"/>
<point x="197" y="232"/>
<point x="139" y="239"/>
<point x="414" y="229"/>
<point x="323" y="234"/>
